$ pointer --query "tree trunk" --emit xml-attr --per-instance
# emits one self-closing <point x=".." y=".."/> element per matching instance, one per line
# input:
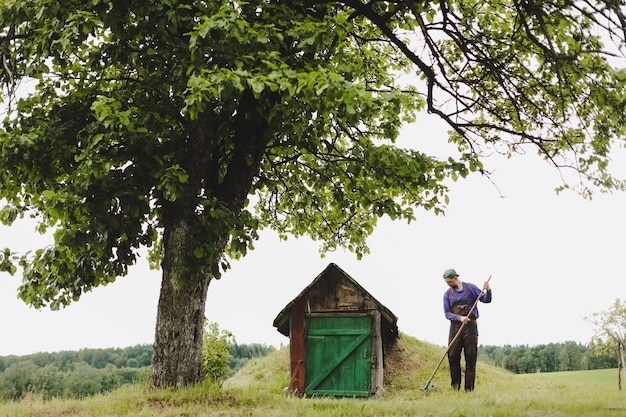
<point x="621" y="362"/>
<point x="177" y="359"/>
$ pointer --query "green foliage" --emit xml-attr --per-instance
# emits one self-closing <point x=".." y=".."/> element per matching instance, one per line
<point x="72" y="374"/>
<point x="81" y="380"/>
<point x="553" y="357"/>
<point x="610" y="326"/>
<point x="77" y="374"/>
<point x="96" y="358"/>
<point x="216" y="348"/>
<point x="7" y="261"/>
<point x="131" y="129"/>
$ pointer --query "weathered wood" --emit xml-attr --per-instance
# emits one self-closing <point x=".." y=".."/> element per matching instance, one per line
<point x="296" y="349"/>
<point x="345" y="361"/>
<point x="377" y="356"/>
<point x="338" y="355"/>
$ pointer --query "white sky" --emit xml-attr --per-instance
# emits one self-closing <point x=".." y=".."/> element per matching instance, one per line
<point x="553" y="260"/>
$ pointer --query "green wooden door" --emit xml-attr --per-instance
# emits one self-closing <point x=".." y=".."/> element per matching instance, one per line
<point x="338" y="356"/>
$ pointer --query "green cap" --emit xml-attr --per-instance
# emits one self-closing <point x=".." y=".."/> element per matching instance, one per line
<point x="450" y="273"/>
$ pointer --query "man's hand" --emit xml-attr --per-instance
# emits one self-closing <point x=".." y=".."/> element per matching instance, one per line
<point x="486" y="286"/>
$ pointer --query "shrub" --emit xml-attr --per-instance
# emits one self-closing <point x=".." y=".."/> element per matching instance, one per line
<point x="216" y="352"/>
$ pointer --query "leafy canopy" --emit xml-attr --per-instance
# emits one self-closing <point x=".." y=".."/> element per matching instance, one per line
<point x="136" y="118"/>
<point x="610" y="325"/>
<point x="230" y="116"/>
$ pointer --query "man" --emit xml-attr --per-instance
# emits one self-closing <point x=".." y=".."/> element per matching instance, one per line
<point x="457" y="302"/>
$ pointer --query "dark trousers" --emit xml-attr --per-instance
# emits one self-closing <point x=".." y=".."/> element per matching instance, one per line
<point x="468" y="343"/>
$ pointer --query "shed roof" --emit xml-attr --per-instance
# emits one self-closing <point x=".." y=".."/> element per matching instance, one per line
<point x="388" y="319"/>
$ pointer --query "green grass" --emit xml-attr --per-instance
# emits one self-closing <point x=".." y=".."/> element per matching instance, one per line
<point x="601" y="378"/>
<point x="259" y="390"/>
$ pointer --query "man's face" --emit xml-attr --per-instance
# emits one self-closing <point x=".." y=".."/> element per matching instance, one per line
<point x="451" y="281"/>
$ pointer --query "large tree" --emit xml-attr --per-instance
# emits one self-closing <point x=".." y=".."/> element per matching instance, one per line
<point x="185" y="126"/>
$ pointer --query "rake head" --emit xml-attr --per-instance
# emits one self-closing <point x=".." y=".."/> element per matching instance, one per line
<point x="425" y="387"/>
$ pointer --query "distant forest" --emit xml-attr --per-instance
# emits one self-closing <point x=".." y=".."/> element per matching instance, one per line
<point x="76" y="374"/>
<point x="553" y="357"/>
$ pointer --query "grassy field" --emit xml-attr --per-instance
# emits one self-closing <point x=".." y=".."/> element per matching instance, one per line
<point x="258" y="390"/>
<point x="606" y="379"/>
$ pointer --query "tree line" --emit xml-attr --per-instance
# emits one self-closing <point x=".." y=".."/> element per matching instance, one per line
<point x="72" y="374"/>
<point x="78" y="374"/>
<point x="552" y="357"/>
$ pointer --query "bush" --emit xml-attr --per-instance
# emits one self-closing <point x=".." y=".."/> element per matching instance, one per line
<point x="216" y="352"/>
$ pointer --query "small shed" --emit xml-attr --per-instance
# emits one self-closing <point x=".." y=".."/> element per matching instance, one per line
<point x="338" y="334"/>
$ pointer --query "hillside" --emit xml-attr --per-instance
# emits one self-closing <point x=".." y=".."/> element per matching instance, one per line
<point x="258" y="389"/>
<point x="409" y="364"/>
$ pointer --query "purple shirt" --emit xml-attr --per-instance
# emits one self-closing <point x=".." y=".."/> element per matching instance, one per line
<point x="472" y="293"/>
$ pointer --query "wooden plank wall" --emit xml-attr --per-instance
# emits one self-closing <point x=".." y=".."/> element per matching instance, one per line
<point x="337" y="294"/>
<point x="376" y="386"/>
<point x="297" y="348"/>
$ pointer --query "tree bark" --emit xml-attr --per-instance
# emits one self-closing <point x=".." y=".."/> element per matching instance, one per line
<point x="180" y="315"/>
<point x="177" y="359"/>
<point x="621" y="362"/>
